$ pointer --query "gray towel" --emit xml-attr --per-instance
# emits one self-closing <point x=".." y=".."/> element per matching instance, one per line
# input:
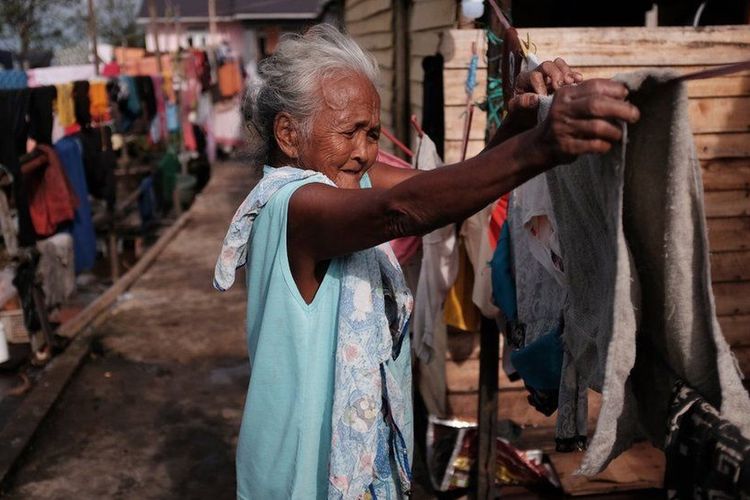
<point x="640" y="310"/>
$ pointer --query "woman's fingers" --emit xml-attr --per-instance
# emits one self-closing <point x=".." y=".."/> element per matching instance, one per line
<point x="603" y="107"/>
<point x="569" y="76"/>
<point x="552" y="74"/>
<point x="596" y="129"/>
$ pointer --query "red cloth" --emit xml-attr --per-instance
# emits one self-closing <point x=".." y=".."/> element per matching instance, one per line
<point x="404" y="248"/>
<point x="497" y="218"/>
<point x="111" y="69"/>
<point x="52" y="200"/>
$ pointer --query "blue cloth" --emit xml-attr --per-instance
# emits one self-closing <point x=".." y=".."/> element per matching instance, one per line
<point x="147" y="202"/>
<point x="501" y="271"/>
<point x="13" y="79"/>
<point x="301" y="418"/>
<point x="540" y="363"/>
<point x="173" y="119"/>
<point x="82" y="228"/>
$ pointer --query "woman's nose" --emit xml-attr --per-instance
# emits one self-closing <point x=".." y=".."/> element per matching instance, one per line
<point x="359" y="153"/>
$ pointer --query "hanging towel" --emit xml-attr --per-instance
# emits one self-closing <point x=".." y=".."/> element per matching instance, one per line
<point x="64" y="105"/>
<point x="99" y="99"/>
<point x="439" y="266"/>
<point x="635" y="217"/>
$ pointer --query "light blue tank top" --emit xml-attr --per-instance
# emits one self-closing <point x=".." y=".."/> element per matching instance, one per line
<point x="285" y="438"/>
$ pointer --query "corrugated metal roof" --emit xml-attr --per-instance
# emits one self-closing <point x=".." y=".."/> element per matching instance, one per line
<point x="197" y="10"/>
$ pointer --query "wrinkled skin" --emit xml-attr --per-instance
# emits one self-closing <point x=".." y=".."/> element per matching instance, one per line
<point x="343" y="140"/>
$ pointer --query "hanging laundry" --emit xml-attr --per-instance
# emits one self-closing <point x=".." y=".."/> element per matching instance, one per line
<point x="497" y="219"/>
<point x="40" y="114"/>
<point x="53" y="75"/>
<point x="82" y="103"/>
<point x="227" y="122"/>
<point x="111" y="69"/>
<point x="70" y="152"/>
<point x="14" y="106"/>
<point x="147" y="204"/>
<point x="633" y="230"/>
<point x="706" y="456"/>
<point x="439" y="267"/>
<point x="539" y="301"/>
<point x="533" y="201"/>
<point x="433" y="109"/>
<point x="52" y="200"/>
<point x="476" y="237"/>
<point x="145" y="87"/>
<point x="56" y="268"/>
<point x="157" y="82"/>
<point x="13" y="79"/>
<point x="459" y="311"/>
<point x="173" y="117"/>
<point x="99" y="99"/>
<point x="64" y="106"/>
<point x="100" y="162"/>
<point x="230" y="79"/>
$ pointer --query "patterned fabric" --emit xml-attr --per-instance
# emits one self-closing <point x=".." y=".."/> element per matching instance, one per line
<point x="707" y="457"/>
<point x="369" y="408"/>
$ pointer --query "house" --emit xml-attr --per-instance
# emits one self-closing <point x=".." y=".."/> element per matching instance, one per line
<point x="250" y="28"/>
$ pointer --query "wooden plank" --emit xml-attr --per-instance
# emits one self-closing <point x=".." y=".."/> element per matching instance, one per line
<point x="726" y="174"/>
<point x="375" y="41"/>
<point x="730" y="266"/>
<point x="433" y="14"/>
<point x="641" y="467"/>
<point x="379" y="23"/>
<point x="424" y="43"/>
<point x="452" y="150"/>
<point x="729" y="86"/>
<point x="454" y="86"/>
<point x="727" y="203"/>
<point x="736" y="329"/>
<point x="456" y="47"/>
<point x="729" y="145"/>
<point x="719" y="114"/>
<point x="727" y="234"/>
<point x="365" y="9"/>
<point x="455" y="117"/>
<point x="384" y="57"/>
<point x="664" y="46"/>
<point x="732" y="298"/>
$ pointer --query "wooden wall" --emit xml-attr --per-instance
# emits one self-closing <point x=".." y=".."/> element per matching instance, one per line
<point x="720" y="117"/>
<point x="370" y="23"/>
<point x="429" y="19"/>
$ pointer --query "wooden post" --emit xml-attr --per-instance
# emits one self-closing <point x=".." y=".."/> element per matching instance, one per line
<point x="489" y="354"/>
<point x="401" y="108"/>
<point x="92" y="34"/>
<point x="155" y="32"/>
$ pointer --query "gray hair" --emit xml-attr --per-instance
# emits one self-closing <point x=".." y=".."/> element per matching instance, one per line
<point x="288" y="81"/>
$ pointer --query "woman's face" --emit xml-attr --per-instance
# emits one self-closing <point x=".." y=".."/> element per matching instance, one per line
<point x="343" y="142"/>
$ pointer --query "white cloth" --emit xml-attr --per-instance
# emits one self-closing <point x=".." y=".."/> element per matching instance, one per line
<point x="538" y="218"/>
<point x="439" y="266"/>
<point x="476" y="235"/>
<point x="57" y="268"/>
<point x="227" y="122"/>
<point x="60" y="74"/>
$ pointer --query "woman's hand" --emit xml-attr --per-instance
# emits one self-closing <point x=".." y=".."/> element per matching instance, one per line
<point x="585" y="118"/>
<point x="546" y="78"/>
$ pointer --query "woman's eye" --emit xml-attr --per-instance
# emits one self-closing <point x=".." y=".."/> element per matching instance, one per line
<point x="374" y="135"/>
<point x="349" y="134"/>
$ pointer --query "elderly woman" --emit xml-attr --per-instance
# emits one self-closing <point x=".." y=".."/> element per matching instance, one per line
<point x="328" y="412"/>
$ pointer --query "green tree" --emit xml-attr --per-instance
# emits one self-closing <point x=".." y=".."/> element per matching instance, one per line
<point x="35" y="23"/>
<point x="116" y="22"/>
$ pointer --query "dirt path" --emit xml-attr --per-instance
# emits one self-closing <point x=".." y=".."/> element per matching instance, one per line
<point x="155" y="410"/>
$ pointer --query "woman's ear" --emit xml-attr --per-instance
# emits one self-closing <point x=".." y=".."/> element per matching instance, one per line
<point x="286" y="134"/>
